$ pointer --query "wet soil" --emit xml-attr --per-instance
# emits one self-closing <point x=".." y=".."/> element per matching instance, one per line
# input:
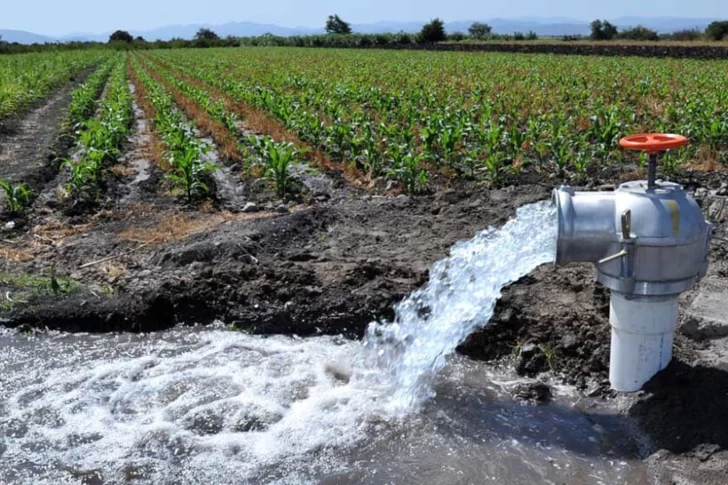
<point x="331" y="262"/>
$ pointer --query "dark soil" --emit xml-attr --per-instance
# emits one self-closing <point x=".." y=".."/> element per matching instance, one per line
<point x="322" y="269"/>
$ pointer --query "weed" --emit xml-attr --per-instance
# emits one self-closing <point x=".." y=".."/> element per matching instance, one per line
<point x="550" y="354"/>
<point x="17" y="196"/>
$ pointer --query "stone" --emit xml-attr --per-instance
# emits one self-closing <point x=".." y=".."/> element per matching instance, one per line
<point x="568" y="341"/>
<point x="708" y="316"/>
<point x="701" y="193"/>
<point x="250" y="207"/>
<point x="537" y="391"/>
<point x="529" y="350"/>
<point x="715" y="211"/>
<point x="506" y="316"/>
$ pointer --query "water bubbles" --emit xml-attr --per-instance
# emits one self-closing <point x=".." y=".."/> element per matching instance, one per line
<point x="460" y="297"/>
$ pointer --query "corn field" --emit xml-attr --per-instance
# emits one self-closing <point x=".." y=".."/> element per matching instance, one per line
<point x="25" y="78"/>
<point x="413" y="118"/>
<point x="412" y="115"/>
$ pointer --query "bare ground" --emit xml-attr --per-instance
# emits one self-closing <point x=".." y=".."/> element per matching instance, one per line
<point x="29" y="144"/>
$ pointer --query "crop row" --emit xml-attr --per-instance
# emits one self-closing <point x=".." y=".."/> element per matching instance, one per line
<point x="480" y="115"/>
<point x="262" y="154"/>
<point x="25" y="78"/>
<point x="184" y="151"/>
<point x="99" y="130"/>
<point x="84" y="98"/>
<point x="100" y="138"/>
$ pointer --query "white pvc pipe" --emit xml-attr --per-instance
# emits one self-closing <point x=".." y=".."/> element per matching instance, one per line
<point x="643" y="331"/>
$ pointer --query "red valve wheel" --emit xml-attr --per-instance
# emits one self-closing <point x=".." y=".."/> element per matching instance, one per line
<point x="653" y="142"/>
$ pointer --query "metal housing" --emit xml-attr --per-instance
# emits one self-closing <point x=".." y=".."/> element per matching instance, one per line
<point x="643" y="241"/>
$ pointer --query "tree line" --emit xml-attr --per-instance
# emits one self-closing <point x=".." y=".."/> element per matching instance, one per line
<point x="339" y="33"/>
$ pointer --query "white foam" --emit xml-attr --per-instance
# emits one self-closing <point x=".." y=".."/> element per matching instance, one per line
<point x="460" y="297"/>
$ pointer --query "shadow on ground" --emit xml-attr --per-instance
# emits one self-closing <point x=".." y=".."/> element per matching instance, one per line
<point x="686" y="408"/>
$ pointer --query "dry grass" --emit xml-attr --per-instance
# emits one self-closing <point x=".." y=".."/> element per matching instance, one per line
<point x="40" y="239"/>
<point x="123" y="170"/>
<point x="113" y="269"/>
<point x="227" y="146"/>
<point x="179" y="226"/>
<point x="705" y="160"/>
<point x="155" y="150"/>
<point x="9" y="253"/>
<point x="55" y="232"/>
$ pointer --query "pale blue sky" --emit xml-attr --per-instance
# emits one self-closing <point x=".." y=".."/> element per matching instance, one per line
<point x="57" y="17"/>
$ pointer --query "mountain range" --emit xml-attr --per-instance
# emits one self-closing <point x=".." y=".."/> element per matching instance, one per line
<point x="542" y="26"/>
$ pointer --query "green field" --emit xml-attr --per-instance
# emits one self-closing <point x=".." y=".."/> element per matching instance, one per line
<point x="411" y="114"/>
<point x="417" y="118"/>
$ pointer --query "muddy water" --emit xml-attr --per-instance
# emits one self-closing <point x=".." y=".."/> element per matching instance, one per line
<point x="214" y="406"/>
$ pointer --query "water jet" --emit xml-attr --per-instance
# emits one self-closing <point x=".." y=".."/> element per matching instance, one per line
<point x="649" y="243"/>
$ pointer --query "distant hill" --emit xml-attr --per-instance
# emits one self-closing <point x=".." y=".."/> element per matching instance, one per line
<point x="23" y="37"/>
<point x="556" y="26"/>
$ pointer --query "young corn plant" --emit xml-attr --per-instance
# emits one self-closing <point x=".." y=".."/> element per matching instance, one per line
<point x="189" y="173"/>
<point x="471" y="162"/>
<point x="449" y="138"/>
<point x="606" y="126"/>
<point x="494" y="167"/>
<point x="671" y="162"/>
<point x="81" y="184"/>
<point x="371" y="157"/>
<point x="560" y="148"/>
<point x="99" y="139"/>
<point x="582" y="161"/>
<point x="84" y="99"/>
<point x="409" y="172"/>
<point x="278" y="159"/>
<point x="17" y="196"/>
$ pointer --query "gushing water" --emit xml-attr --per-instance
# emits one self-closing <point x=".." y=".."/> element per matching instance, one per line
<point x="213" y="406"/>
<point x="461" y="295"/>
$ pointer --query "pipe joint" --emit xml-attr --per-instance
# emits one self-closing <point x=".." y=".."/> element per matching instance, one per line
<point x="643" y="240"/>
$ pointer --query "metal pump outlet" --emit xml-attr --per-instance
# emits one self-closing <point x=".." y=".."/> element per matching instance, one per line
<point x="649" y="242"/>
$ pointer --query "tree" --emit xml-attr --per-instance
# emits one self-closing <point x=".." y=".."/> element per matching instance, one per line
<point x="639" y="33"/>
<point x="334" y="25"/>
<point x="121" y="36"/>
<point x="603" y="30"/>
<point x="717" y="30"/>
<point x="433" y="32"/>
<point x="686" y="35"/>
<point x="206" y="34"/>
<point x="479" y="30"/>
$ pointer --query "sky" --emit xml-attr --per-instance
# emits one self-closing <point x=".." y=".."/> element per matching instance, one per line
<point x="54" y="17"/>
